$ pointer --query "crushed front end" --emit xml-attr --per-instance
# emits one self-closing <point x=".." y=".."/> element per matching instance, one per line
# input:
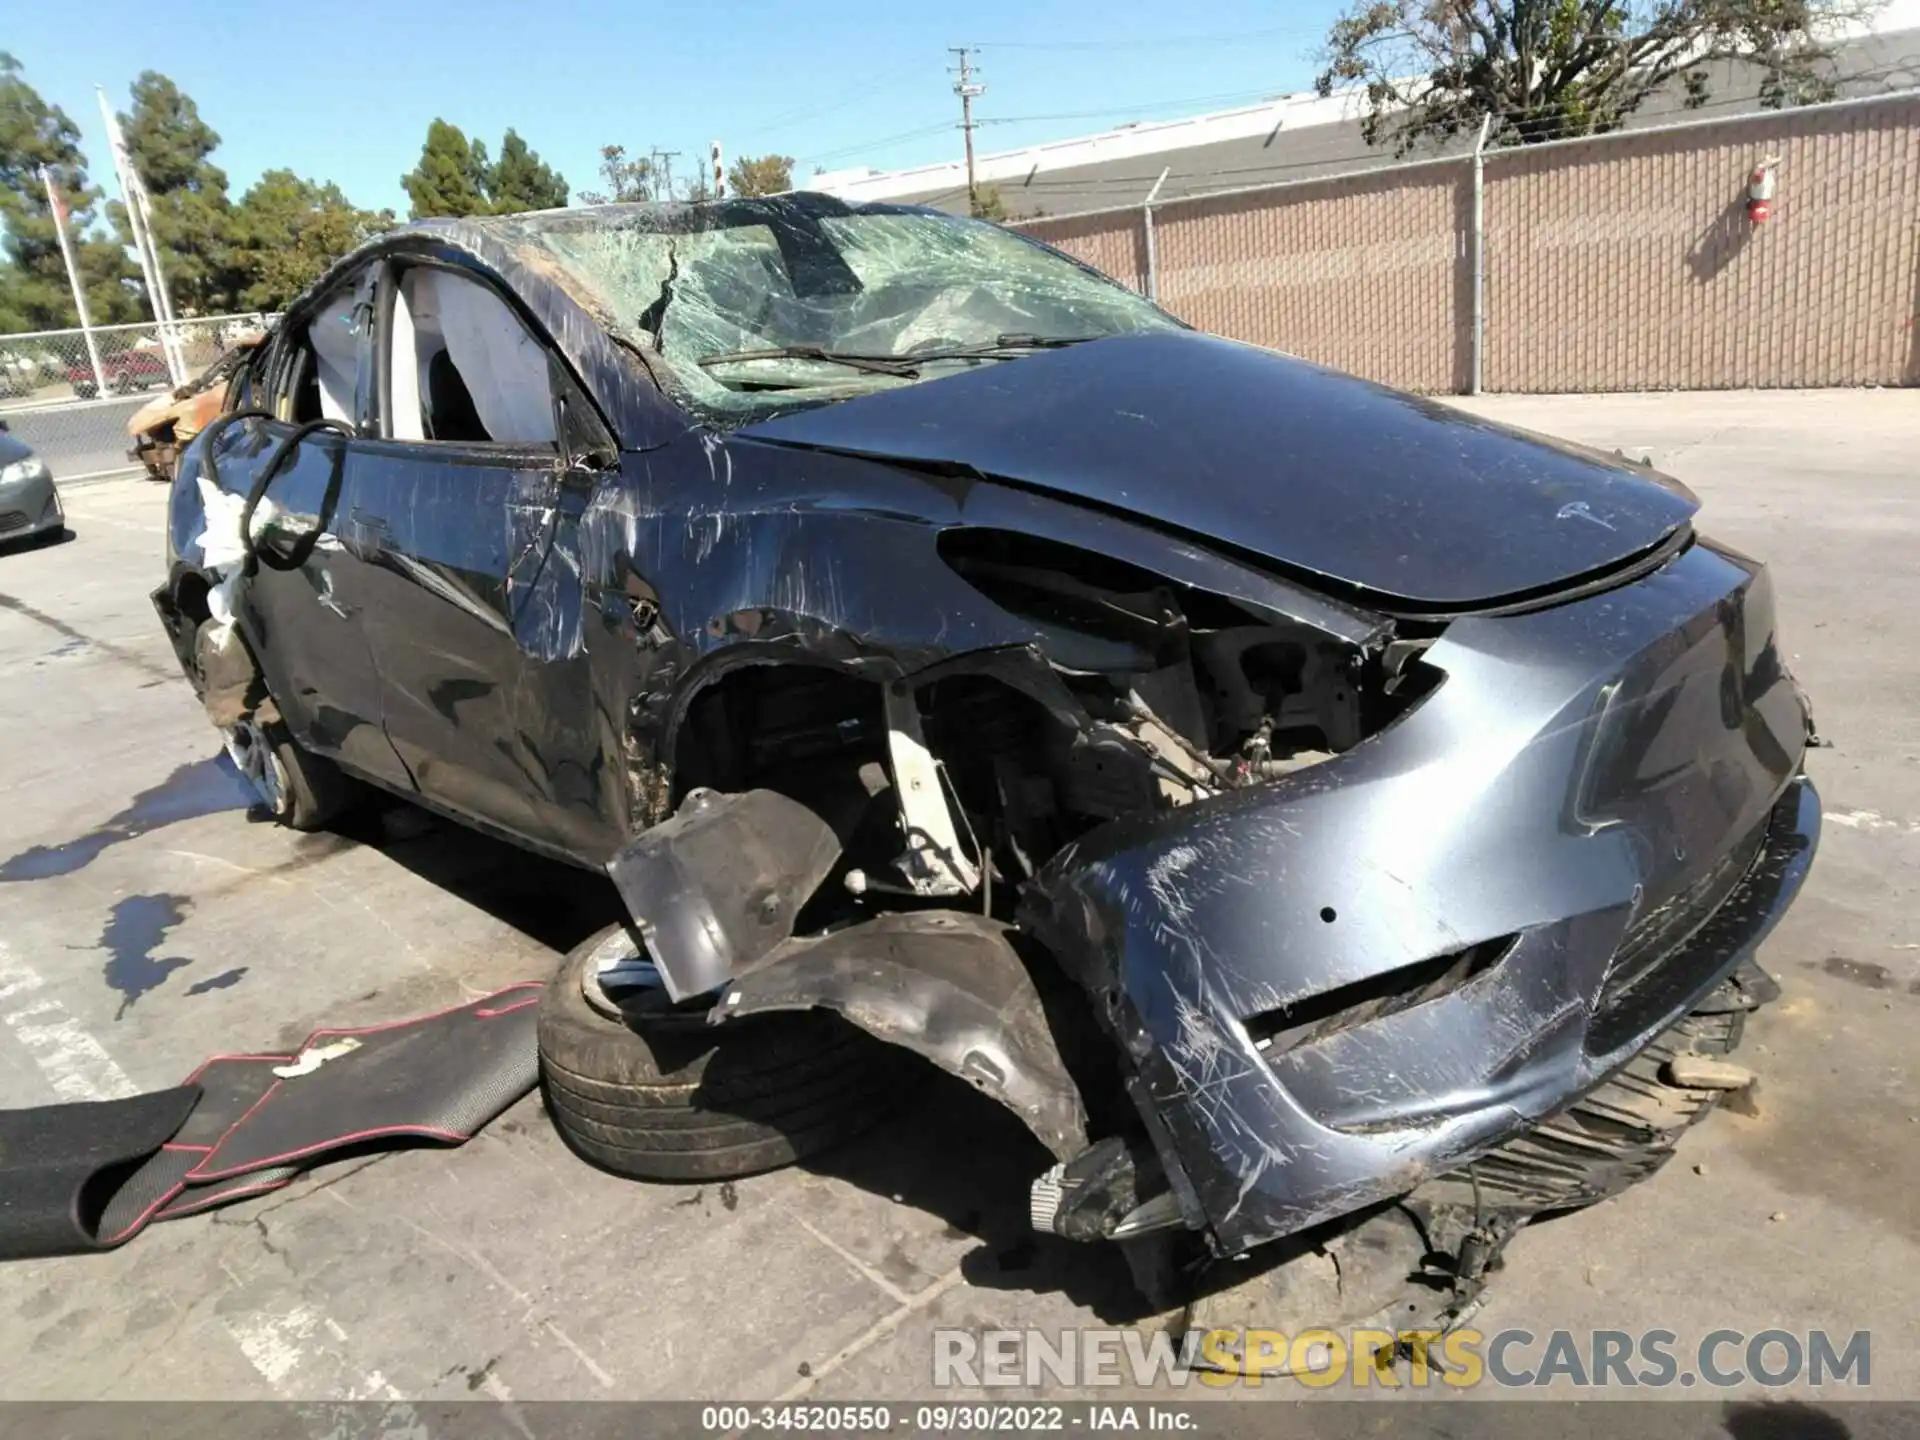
<point x="1269" y="858"/>
<point x="1339" y="984"/>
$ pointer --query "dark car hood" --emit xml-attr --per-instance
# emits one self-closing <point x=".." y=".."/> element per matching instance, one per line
<point x="1316" y="471"/>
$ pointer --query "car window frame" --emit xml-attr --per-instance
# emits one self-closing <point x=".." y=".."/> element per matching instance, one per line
<point x="582" y="436"/>
<point x="274" y="377"/>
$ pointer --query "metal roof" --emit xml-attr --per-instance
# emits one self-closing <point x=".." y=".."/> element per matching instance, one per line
<point x="1298" y="137"/>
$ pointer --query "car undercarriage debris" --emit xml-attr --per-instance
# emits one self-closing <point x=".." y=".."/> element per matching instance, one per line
<point x="1420" y="1264"/>
<point x="719" y="885"/>
<point x="949" y="987"/>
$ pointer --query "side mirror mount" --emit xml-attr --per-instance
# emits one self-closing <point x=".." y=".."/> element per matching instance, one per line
<point x="584" y="441"/>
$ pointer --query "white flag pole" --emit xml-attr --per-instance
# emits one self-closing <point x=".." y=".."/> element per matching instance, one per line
<point x="133" y="194"/>
<point x="59" y="209"/>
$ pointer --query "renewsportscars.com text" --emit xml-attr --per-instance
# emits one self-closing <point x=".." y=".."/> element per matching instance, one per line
<point x="1461" y="1359"/>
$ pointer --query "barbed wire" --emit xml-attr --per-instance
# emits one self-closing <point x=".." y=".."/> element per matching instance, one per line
<point x="1356" y="163"/>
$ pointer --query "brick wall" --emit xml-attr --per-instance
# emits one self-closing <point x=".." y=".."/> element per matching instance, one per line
<point x="1619" y="263"/>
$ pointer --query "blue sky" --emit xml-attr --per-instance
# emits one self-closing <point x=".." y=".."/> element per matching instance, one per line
<point x="344" y="90"/>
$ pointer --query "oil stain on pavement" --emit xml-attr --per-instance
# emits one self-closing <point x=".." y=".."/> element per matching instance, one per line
<point x="201" y="787"/>
<point x="225" y="980"/>
<point x="135" y="928"/>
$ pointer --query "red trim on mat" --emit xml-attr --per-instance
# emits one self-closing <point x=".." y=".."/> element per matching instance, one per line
<point x="480" y="1008"/>
<point x="352" y="1137"/>
<point x="244" y="1192"/>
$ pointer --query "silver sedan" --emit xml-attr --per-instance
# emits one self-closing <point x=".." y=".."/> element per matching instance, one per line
<point x="29" y="503"/>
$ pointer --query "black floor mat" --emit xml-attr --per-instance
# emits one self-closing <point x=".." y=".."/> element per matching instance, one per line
<point x="83" y="1177"/>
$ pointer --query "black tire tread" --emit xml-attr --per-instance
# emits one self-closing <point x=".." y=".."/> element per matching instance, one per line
<point x="675" y="1109"/>
<point x="670" y="1097"/>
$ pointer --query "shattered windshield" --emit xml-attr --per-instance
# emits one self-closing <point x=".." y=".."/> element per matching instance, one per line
<point x="758" y="306"/>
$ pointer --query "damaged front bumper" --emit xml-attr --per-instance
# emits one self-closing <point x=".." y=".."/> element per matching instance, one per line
<point x="1329" y="990"/>
<point x="1335" y="987"/>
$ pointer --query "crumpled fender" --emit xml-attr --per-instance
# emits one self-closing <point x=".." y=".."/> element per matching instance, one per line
<point x="945" y="985"/>
<point x="715" y="889"/>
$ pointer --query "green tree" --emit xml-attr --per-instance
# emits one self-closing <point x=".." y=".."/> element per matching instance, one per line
<point x="520" y="180"/>
<point x="451" y="178"/>
<point x="454" y="177"/>
<point x="169" y="144"/>
<point x="287" y="230"/>
<point x="1545" y="69"/>
<point x="626" y="180"/>
<point x="760" y="175"/>
<point x="33" y="280"/>
<point x="988" y="204"/>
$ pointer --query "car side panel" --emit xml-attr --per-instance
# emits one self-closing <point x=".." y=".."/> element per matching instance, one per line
<point x="476" y="629"/>
<point x="306" y="625"/>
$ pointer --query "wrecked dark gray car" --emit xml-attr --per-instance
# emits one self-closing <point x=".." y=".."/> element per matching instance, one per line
<point x="1277" y="790"/>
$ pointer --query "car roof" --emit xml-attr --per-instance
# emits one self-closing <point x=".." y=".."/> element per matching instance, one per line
<point x="663" y="216"/>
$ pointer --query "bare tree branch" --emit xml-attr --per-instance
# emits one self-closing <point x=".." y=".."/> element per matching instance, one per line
<point x="1543" y="69"/>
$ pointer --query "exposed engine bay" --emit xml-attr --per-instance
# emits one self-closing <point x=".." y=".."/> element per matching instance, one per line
<point x="1153" y="695"/>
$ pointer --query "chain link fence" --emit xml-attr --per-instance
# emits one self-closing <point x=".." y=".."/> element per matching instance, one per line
<point x="71" y="400"/>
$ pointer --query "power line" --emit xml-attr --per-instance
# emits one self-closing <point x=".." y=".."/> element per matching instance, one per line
<point x="1224" y="98"/>
<point x="1353" y="165"/>
<point x="1064" y="178"/>
<point x="1156" y="42"/>
<point x="812" y="111"/>
<point x="875" y="144"/>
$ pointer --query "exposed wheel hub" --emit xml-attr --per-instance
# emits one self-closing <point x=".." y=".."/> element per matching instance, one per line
<point x="620" y="982"/>
<point x="252" y="754"/>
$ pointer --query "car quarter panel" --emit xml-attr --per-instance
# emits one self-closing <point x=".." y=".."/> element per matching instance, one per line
<point x="714" y="552"/>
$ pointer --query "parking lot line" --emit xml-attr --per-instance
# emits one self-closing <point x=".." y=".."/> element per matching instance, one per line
<point x="76" y="1065"/>
<point x="880" y="1328"/>
<point x="79" y="1068"/>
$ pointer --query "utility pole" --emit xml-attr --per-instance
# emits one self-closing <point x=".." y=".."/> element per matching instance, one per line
<point x="719" y="172"/>
<point x="967" y="86"/>
<point x="663" y="161"/>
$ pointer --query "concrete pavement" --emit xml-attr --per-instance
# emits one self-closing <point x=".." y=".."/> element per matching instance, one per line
<point x="146" y="922"/>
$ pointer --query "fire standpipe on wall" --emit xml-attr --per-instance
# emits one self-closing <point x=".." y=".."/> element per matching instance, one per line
<point x="1760" y="188"/>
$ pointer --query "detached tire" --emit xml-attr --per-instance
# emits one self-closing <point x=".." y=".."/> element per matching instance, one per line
<point x="663" y="1095"/>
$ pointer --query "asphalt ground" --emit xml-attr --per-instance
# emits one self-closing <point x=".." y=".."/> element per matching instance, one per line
<point x="78" y="437"/>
